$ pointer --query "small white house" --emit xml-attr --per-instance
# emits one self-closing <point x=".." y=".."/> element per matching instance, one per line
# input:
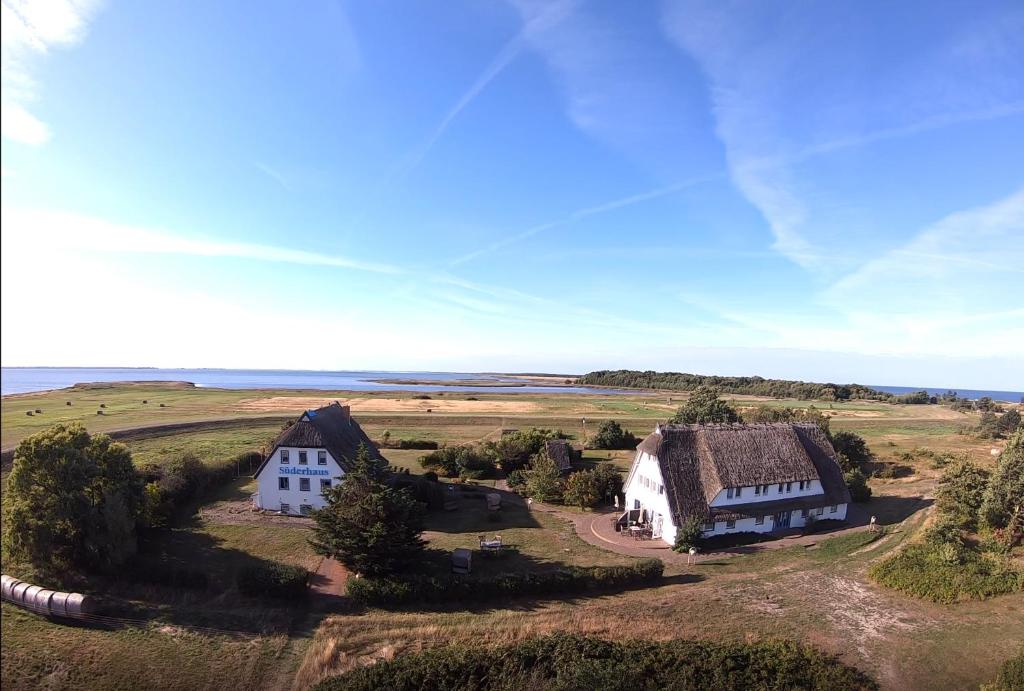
<point x="309" y="457"/>
<point x="735" y="478"/>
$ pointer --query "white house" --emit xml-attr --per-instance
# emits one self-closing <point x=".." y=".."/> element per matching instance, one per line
<point x="735" y="478"/>
<point x="309" y="457"/>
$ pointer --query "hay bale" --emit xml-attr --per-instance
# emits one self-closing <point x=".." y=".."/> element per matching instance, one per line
<point x="29" y="413"/>
<point x="144" y="401"/>
<point x="38" y="412"/>
<point x="67" y="403"/>
<point x="103" y="405"/>
<point x="162" y="405"/>
<point x="99" y="412"/>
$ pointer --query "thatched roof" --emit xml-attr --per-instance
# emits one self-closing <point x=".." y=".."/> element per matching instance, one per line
<point x="699" y="461"/>
<point x="331" y="428"/>
<point x="561" y="452"/>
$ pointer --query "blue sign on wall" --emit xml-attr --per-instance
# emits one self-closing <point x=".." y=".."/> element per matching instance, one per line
<point x="302" y="470"/>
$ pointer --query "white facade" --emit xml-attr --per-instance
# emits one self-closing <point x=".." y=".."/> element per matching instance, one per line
<point x="293" y="479"/>
<point x="645" y="489"/>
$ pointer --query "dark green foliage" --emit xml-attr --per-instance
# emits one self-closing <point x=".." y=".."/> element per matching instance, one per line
<point x="610" y="435"/>
<point x="1005" y="492"/>
<point x="71" y="500"/>
<point x="946" y="572"/>
<point x="516" y="479"/>
<point x="566" y="662"/>
<point x="514" y="451"/>
<point x="1011" y="675"/>
<point x="752" y="386"/>
<point x="372" y="528"/>
<point x="459" y="461"/>
<point x="544" y="482"/>
<point x="853" y="451"/>
<point x="159" y="573"/>
<point x="425" y="444"/>
<point x="916" y="398"/>
<point x="275" y="580"/>
<point x="766" y="413"/>
<point x="401" y="591"/>
<point x="582" y="489"/>
<point x="182" y="480"/>
<point x="704" y="406"/>
<point x="857" y="483"/>
<point x="689" y="535"/>
<point x="961" y="489"/>
<point x="995" y="426"/>
<point x="609" y="481"/>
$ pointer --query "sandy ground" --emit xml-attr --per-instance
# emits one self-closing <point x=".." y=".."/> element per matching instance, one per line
<point x="275" y="404"/>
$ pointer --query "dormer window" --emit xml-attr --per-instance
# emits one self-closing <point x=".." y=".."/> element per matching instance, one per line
<point x="284" y="457"/>
<point x="728" y="493"/>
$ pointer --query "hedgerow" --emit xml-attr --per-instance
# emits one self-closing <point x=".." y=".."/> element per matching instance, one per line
<point x="946" y="572"/>
<point x="388" y="592"/>
<point x="565" y="661"/>
<point x="274" y="580"/>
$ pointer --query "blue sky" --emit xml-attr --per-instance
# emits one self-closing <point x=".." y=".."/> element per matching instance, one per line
<point x="811" y="190"/>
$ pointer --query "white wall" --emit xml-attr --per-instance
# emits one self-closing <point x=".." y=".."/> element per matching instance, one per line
<point x="270" y="497"/>
<point x="796" y="520"/>
<point x="747" y="495"/>
<point x="651" y="494"/>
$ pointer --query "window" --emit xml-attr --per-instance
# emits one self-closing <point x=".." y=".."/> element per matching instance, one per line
<point x="282" y="483"/>
<point x="780" y="488"/>
<point x="801" y="485"/>
<point x="661" y="489"/>
<point x="820" y="510"/>
<point x="284" y="457"/>
<point x="833" y="508"/>
<point x="302" y="458"/>
<point x="321" y="458"/>
<point x="286" y="508"/>
<point x="728" y="493"/>
<point x="305" y="509"/>
<point x="303" y="484"/>
<point x="759" y="520"/>
<point x="803" y="513"/>
<point x="789" y="487"/>
<point x="739" y="492"/>
<point x="757" y="489"/>
<point x="636" y="504"/>
<point x="729" y="525"/>
<point x="325" y="485"/>
<point x="709" y="525"/>
<point x="810" y="483"/>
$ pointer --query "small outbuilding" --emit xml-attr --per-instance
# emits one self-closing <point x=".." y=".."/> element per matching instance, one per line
<point x="562" y="453"/>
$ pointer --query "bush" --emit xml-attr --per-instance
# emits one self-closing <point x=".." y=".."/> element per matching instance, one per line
<point x="415" y="444"/>
<point x="516" y="479"/>
<point x="609" y="481"/>
<point x="568" y="661"/>
<point x="961" y="490"/>
<point x="857" y="483"/>
<point x="421" y="397"/>
<point x="945" y="572"/>
<point x="852" y="449"/>
<point x="273" y="579"/>
<point x="515" y="451"/>
<point x="610" y="435"/>
<point x="582" y="489"/>
<point x="689" y="534"/>
<point x="1011" y="675"/>
<point x="459" y="461"/>
<point x="389" y="592"/>
<point x="1005" y="492"/>
<point x="544" y="482"/>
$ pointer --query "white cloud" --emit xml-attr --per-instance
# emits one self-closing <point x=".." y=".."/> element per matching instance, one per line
<point x="26" y="229"/>
<point x="790" y="85"/>
<point x="30" y="29"/>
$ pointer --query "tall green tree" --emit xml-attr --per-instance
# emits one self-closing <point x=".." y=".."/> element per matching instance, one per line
<point x="71" y="501"/>
<point x="514" y="451"/>
<point x="582" y="489"/>
<point x="610" y="435"/>
<point x="852" y="450"/>
<point x="370" y="527"/>
<point x="1005" y="493"/>
<point x="961" y="490"/>
<point x="544" y="482"/>
<point x="705" y="406"/>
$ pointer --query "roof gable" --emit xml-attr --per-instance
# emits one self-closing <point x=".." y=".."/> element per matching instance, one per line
<point x="330" y="427"/>
<point x="698" y="461"/>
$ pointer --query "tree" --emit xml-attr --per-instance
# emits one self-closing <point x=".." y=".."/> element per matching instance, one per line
<point x="766" y="413"/>
<point x="610" y="435"/>
<point x="609" y="481"/>
<point x="514" y="451"/>
<point x="853" y="451"/>
<point x="961" y="489"/>
<point x="582" y="489"/>
<point x="689" y="535"/>
<point x="857" y="482"/>
<point x="1009" y="422"/>
<point x="372" y="528"/>
<point x="72" y="501"/>
<point x="1005" y="493"/>
<point x="544" y="482"/>
<point x="464" y="461"/>
<point x="705" y="406"/>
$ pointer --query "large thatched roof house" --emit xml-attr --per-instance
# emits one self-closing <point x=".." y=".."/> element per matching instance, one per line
<point x="736" y="478"/>
<point x="307" y="458"/>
